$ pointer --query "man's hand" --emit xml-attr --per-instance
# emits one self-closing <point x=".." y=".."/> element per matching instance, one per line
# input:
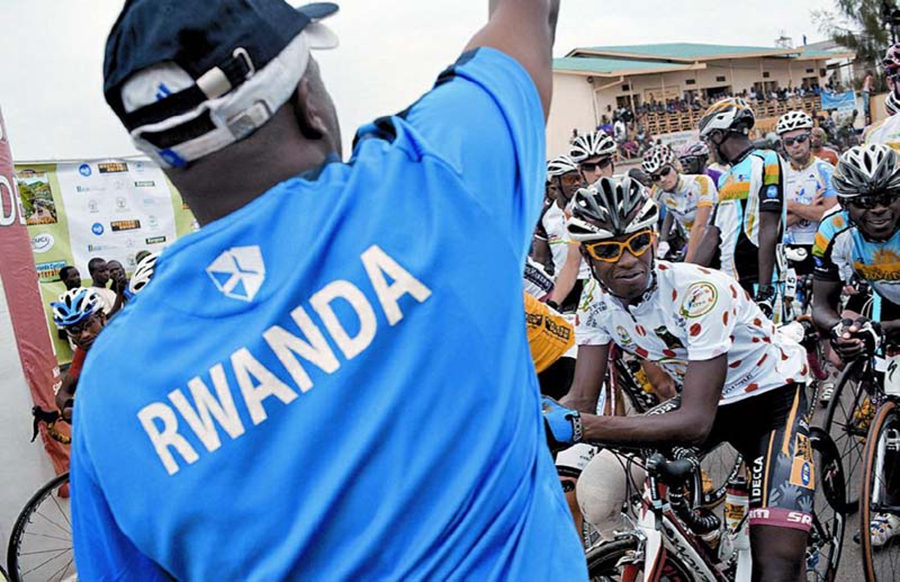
<point x="854" y="338"/>
<point x="563" y="425"/>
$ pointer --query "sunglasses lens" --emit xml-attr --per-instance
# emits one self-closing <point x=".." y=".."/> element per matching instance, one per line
<point x="641" y="243"/>
<point x="589" y="167"/>
<point x="606" y="251"/>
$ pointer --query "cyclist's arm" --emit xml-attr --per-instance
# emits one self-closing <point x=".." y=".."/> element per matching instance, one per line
<point x="65" y="396"/>
<point x="524" y="30"/>
<point x="697" y="232"/>
<point x="541" y="251"/>
<point x="709" y="244"/>
<point x="826" y="298"/>
<point x="690" y="424"/>
<point x="565" y="279"/>
<point x="590" y="371"/>
<point x="813" y="212"/>
<point x="666" y="231"/>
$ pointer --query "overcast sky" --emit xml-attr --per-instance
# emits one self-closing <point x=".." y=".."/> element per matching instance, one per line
<point x="391" y="50"/>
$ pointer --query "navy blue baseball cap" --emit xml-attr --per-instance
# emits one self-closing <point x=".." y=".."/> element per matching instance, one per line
<point x="188" y="77"/>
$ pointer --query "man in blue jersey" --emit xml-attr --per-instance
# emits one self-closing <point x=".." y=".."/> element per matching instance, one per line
<point x="295" y="421"/>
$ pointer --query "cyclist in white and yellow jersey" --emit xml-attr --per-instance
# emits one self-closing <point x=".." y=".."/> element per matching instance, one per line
<point x="689" y="199"/>
<point x="808" y="193"/>
<point x="887" y="131"/>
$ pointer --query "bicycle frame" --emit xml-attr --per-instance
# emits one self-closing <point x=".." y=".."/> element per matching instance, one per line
<point x="660" y="531"/>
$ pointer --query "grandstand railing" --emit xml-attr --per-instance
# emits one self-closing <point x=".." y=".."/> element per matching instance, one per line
<point x="662" y="123"/>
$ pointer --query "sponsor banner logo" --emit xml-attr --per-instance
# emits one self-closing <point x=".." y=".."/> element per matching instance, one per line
<point x="49" y="271"/>
<point x="84" y="170"/>
<point x="121" y="225"/>
<point x="41" y="243"/>
<point x="112" y="167"/>
<point x="144" y="184"/>
<point x="98" y="248"/>
<point x="97" y="229"/>
<point x="155" y="240"/>
<point x="82" y="189"/>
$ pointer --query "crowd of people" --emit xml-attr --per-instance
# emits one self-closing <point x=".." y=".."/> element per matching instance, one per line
<point x="352" y="333"/>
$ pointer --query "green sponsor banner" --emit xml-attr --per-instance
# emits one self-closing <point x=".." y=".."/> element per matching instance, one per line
<point x="111" y="209"/>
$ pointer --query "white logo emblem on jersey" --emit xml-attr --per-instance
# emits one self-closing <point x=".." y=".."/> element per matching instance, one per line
<point x="239" y="272"/>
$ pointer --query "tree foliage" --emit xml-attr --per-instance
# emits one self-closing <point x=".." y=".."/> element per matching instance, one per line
<point x="858" y="25"/>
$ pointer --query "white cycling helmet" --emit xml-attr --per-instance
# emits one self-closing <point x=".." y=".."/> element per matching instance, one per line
<point x="610" y="208"/>
<point x="656" y="158"/>
<point x="142" y="274"/>
<point x="866" y="169"/>
<point x="560" y="166"/>
<point x="793" y="120"/>
<point x="731" y="114"/>
<point x="74" y="306"/>
<point x="592" y="145"/>
<point x="891" y="103"/>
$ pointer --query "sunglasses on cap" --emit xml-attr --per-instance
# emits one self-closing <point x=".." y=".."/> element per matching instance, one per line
<point x="592" y="166"/>
<point x="610" y="251"/>
<point x="870" y="201"/>
<point x="789" y="141"/>
<point x="664" y="173"/>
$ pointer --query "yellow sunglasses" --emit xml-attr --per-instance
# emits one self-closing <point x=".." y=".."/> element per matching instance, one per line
<point x="610" y="251"/>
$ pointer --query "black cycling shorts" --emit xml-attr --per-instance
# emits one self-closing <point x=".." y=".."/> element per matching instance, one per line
<point x="771" y="432"/>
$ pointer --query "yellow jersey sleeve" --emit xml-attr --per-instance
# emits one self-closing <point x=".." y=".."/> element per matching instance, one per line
<point x="549" y="334"/>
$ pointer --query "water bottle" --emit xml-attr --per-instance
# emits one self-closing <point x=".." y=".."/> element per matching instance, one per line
<point x="737" y="502"/>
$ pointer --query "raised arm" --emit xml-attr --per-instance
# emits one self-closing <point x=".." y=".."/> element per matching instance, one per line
<point x="524" y="30"/>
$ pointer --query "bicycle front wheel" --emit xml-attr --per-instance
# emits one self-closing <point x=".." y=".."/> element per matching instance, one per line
<point x="847" y="422"/>
<point x="40" y="546"/>
<point x="826" y="537"/>
<point x="881" y="497"/>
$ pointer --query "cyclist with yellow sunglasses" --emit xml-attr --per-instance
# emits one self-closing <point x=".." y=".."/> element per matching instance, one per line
<point x="741" y="382"/>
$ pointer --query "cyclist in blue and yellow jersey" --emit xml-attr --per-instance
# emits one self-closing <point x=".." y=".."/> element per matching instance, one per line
<point x="297" y="426"/>
<point x="742" y="382"/>
<point x="747" y="223"/>
<point x="863" y="239"/>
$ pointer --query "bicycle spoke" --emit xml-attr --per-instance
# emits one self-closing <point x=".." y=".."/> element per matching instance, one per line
<point x="61" y="511"/>
<point x="61" y="528"/>
<point x="61" y="571"/>
<point x="44" y="563"/>
<point x="48" y="536"/>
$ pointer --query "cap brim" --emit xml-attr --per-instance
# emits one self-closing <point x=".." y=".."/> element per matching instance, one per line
<point x="318" y="10"/>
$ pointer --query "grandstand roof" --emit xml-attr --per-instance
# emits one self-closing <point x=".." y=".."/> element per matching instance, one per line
<point x="617" y="67"/>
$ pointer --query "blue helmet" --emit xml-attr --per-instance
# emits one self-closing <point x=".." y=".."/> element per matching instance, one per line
<point x="74" y="306"/>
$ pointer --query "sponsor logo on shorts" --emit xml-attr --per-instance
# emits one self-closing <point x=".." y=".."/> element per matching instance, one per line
<point x="756" y="480"/>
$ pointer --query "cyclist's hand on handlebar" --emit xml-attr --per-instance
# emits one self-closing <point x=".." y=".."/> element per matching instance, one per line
<point x="563" y="425"/>
<point x="854" y="338"/>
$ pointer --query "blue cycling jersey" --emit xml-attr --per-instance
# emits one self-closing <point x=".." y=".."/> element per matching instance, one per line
<point x="334" y="382"/>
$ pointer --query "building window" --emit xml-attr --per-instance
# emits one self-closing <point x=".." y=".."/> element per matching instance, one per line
<point x="720" y="79"/>
<point x="626" y="87"/>
<point x="765" y="75"/>
<point x="690" y="81"/>
<point x="810" y="70"/>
